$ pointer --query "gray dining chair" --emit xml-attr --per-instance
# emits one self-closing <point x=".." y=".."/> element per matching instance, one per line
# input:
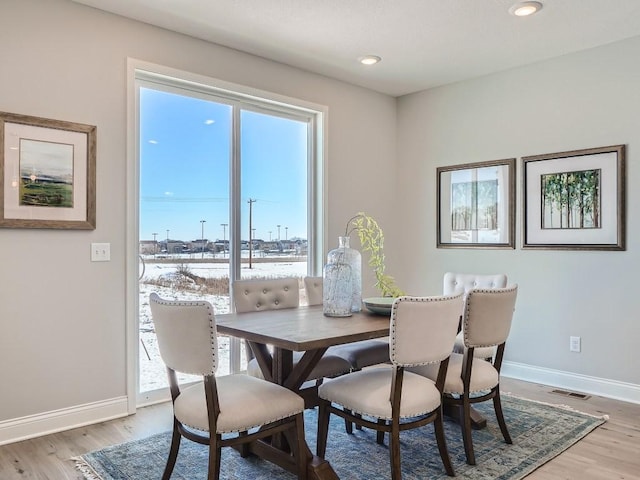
<point x="255" y="295"/>
<point x="390" y="399"/>
<point x="219" y="411"/>
<point x="486" y="324"/>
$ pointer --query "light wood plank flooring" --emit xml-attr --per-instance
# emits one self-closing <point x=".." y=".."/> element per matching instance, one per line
<point x="610" y="452"/>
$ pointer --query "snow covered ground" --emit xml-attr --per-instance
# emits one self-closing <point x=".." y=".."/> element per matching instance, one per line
<point x="178" y="287"/>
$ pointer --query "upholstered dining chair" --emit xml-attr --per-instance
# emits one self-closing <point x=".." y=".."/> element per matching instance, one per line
<point x="219" y="411"/>
<point x="364" y="353"/>
<point x="422" y="332"/>
<point x="256" y="295"/>
<point x="486" y="323"/>
<point x="463" y="282"/>
<point x="359" y="354"/>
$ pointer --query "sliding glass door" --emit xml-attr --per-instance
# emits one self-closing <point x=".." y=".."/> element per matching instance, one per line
<point x="227" y="190"/>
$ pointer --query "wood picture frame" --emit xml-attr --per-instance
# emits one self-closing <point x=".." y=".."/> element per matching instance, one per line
<point x="476" y="205"/>
<point x="47" y="173"/>
<point x="575" y="200"/>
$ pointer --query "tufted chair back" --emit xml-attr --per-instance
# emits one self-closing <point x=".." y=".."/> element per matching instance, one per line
<point x="256" y="295"/>
<point x="465" y="282"/>
<point x="313" y="287"/>
<point x="456" y="282"/>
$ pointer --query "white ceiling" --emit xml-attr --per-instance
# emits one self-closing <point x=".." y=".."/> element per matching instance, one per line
<point x="423" y="43"/>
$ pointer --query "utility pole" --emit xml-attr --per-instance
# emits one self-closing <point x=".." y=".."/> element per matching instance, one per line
<point x="224" y="238"/>
<point x="167" y="241"/>
<point x="202" y="222"/>
<point x="250" y="202"/>
<point x="286" y="233"/>
<point x="155" y="244"/>
<point x="278" y="232"/>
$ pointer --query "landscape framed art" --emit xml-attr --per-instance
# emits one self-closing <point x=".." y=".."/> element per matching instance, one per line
<point x="575" y="200"/>
<point x="47" y="173"/>
<point x="476" y="205"/>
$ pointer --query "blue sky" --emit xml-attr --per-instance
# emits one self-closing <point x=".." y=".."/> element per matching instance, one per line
<point x="185" y="150"/>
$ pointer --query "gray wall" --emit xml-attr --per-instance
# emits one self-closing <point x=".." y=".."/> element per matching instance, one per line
<point x="62" y="318"/>
<point x="589" y="99"/>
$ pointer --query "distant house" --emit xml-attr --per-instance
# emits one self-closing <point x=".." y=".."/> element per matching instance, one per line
<point x="200" y="245"/>
<point x="149" y="247"/>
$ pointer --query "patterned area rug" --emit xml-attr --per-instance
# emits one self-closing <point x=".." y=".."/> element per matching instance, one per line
<point x="539" y="432"/>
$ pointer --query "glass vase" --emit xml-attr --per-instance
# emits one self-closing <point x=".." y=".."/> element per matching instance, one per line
<point x="337" y="290"/>
<point x="350" y="256"/>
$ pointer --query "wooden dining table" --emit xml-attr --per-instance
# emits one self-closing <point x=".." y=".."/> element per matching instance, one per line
<point x="288" y="330"/>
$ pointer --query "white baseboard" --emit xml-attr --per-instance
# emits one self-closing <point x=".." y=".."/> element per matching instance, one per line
<point x="627" y="392"/>
<point x="23" y="428"/>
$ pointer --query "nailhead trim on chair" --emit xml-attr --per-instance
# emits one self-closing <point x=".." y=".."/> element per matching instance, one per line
<point x="466" y="307"/>
<point x="212" y="330"/>
<point x="394" y="309"/>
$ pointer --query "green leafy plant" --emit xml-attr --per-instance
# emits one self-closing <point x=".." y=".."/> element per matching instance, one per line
<point x="372" y="241"/>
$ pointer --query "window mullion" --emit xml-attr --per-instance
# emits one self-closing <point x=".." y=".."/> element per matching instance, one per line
<point x="235" y="227"/>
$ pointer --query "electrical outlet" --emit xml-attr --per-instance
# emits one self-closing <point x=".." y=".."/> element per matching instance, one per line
<point x="100" y="252"/>
<point x="574" y="344"/>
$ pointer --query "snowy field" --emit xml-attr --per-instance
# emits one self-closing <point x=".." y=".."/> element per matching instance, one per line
<point x="179" y="287"/>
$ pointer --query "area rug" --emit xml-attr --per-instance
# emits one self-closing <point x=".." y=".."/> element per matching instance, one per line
<point x="539" y="432"/>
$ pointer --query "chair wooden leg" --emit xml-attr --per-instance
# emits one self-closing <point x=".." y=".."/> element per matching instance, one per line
<point x="497" y="406"/>
<point x="173" y="451"/>
<point x="323" y="428"/>
<point x="214" y="457"/>
<point x="394" y="450"/>
<point x="300" y="450"/>
<point x="244" y="448"/>
<point x="442" y="444"/>
<point x="466" y="430"/>
<point x="348" y="426"/>
<point x="380" y="433"/>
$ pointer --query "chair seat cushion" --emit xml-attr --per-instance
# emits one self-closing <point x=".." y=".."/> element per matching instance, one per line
<point x="329" y="366"/>
<point x="367" y="392"/>
<point x="245" y="402"/>
<point x="478" y="352"/>
<point x="483" y="375"/>
<point x="364" y="353"/>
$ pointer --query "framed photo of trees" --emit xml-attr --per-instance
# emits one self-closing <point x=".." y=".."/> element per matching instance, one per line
<point x="575" y="200"/>
<point x="476" y="205"/>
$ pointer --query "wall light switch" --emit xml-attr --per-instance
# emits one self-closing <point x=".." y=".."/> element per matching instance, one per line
<point x="100" y="252"/>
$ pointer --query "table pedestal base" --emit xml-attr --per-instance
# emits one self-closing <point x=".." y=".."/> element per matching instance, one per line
<point x="478" y="422"/>
<point x="320" y="469"/>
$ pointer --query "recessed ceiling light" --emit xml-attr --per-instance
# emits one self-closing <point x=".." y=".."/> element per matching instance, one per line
<point x="524" y="9"/>
<point x="369" y="59"/>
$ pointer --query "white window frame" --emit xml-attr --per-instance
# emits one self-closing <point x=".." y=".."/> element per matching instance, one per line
<point x="140" y="73"/>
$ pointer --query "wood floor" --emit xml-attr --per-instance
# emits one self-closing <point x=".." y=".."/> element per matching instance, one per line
<point x="611" y="452"/>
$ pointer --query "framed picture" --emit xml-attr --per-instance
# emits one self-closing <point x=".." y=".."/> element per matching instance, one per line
<point x="47" y="173"/>
<point x="476" y="205"/>
<point x="575" y="200"/>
